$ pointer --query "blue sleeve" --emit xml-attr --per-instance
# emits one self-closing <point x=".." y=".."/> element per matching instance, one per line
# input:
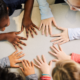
<point x="4" y="62"/>
<point x="44" y="9"/>
<point x="32" y="77"/>
<point x="74" y="33"/>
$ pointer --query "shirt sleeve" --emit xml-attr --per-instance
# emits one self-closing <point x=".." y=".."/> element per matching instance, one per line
<point x="74" y="34"/>
<point x="4" y="62"/>
<point x="32" y="77"/>
<point x="44" y="9"/>
<point x="45" y="78"/>
<point x="75" y="57"/>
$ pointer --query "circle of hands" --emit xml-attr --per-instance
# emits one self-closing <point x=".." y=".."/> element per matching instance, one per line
<point x="41" y="63"/>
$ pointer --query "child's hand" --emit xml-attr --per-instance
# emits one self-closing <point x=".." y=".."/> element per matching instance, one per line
<point x="43" y="66"/>
<point x="14" y="58"/>
<point x="59" y="54"/>
<point x="46" y="25"/>
<point x="61" y="37"/>
<point x="14" y="39"/>
<point x="28" y="68"/>
<point x="29" y="27"/>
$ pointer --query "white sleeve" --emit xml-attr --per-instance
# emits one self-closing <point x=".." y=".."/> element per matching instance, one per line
<point x="74" y="33"/>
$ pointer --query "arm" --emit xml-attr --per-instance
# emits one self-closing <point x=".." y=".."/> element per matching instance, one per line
<point x="27" y="23"/>
<point x="44" y="9"/>
<point x="74" y="33"/>
<point x="11" y="60"/>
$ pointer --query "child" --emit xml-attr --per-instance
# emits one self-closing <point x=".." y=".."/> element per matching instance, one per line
<point x="7" y="7"/>
<point x="47" y="16"/>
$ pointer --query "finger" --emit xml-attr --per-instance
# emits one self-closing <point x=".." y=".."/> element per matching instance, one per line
<point x="15" y="52"/>
<point x="53" y="53"/>
<point x="22" y="43"/>
<point x="62" y="42"/>
<point x="34" y="30"/>
<point x="56" y="39"/>
<point x="16" y="66"/>
<point x="20" y="56"/>
<point x="55" y="60"/>
<point x="55" y="47"/>
<point x="39" y="59"/>
<point x="61" y="28"/>
<point x="22" y="28"/>
<point x="56" y="35"/>
<point x="43" y="29"/>
<point x="46" y="30"/>
<point x="18" y="61"/>
<point x="21" y="38"/>
<point x="54" y="22"/>
<point x="56" y="51"/>
<point x="14" y="46"/>
<point x="18" y="45"/>
<point x="40" y="26"/>
<point x="26" y="63"/>
<point x="60" y="48"/>
<point x="50" y="63"/>
<point x="50" y="29"/>
<point x="29" y="64"/>
<point x="35" y="26"/>
<point x="37" y="66"/>
<point x="32" y="64"/>
<point x="27" y="33"/>
<point x="23" y="63"/>
<point x="31" y="32"/>
<point x="44" y="60"/>
<point x="57" y="42"/>
<point x="18" y="32"/>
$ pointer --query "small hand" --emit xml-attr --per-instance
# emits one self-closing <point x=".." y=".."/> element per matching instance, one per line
<point x="15" y="40"/>
<point x="46" y="25"/>
<point x="28" y="68"/>
<point x="62" y="37"/>
<point x="42" y="65"/>
<point x="29" y="27"/>
<point x="59" y="54"/>
<point x="14" y="59"/>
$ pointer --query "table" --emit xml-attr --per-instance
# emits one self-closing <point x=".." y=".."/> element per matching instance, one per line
<point x="40" y="44"/>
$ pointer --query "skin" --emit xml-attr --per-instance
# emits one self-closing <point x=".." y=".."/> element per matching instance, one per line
<point x="46" y="24"/>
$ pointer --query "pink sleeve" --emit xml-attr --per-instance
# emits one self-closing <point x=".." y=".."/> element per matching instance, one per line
<point x="45" y="78"/>
<point x="75" y="57"/>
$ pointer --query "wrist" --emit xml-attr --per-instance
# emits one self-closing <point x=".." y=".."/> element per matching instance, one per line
<point x="46" y="75"/>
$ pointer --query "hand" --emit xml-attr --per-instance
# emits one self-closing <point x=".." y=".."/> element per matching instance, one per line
<point x="28" y="68"/>
<point x="42" y="65"/>
<point x="59" y="54"/>
<point x="29" y="27"/>
<point x="14" y="58"/>
<point x="62" y="37"/>
<point x="15" y="40"/>
<point x="46" y="25"/>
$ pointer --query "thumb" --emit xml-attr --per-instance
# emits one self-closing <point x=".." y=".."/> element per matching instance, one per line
<point x="60" y="28"/>
<point x="18" y="32"/>
<point x="55" y="60"/>
<point x="50" y="63"/>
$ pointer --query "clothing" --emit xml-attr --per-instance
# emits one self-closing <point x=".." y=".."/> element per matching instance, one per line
<point x="45" y="10"/>
<point x="13" y="5"/>
<point x="75" y="57"/>
<point x="74" y="33"/>
<point x="45" y="78"/>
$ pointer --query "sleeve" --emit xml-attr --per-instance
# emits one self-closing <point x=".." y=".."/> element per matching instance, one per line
<point x="45" y="78"/>
<point x="74" y="34"/>
<point x="75" y="57"/>
<point x="32" y="77"/>
<point x="44" y="9"/>
<point x="4" y="62"/>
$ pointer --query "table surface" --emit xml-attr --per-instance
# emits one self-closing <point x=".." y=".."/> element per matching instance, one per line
<point x="40" y="44"/>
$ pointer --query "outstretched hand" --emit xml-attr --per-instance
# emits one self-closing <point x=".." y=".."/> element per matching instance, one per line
<point x="61" y="37"/>
<point x="14" y="39"/>
<point x="29" y="27"/>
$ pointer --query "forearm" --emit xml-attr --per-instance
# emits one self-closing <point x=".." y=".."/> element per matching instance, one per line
<point x="74" y="34"/>
<point x="32" y="77"/>
<point x="28" y="8"/>
<point x="4" y="62"/>
<point x="3" y="36"/>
